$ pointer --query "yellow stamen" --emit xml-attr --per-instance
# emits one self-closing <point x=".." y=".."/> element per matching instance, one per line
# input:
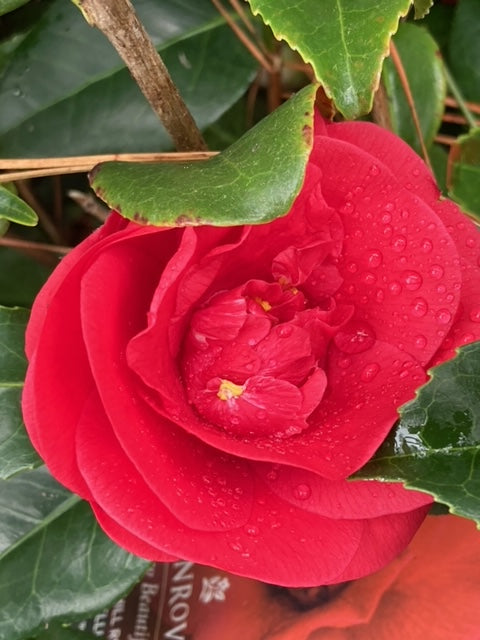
<point x="266" y="306"/>
<point x="228" y="390"/>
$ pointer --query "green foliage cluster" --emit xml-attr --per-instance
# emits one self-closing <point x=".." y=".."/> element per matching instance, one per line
<point x="64" y="92"/>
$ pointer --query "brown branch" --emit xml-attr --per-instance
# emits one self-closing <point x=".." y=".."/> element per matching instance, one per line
<point x="45" y="220"/>
<point x="118" y="21"/>
<point x="16" y="243"/>
<point x="397" y="61"/>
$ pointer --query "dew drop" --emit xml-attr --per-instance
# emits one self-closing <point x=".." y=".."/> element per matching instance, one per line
<point x="398" y="243"/>
<point x="375" y="259"/>
<point x="236" y="546"/>
<point x="344" y="363"/>
<point x="470" y="243"/>
<point x="347" y="208"/>
<point x="352" y="267"/>
<point x="272" y="475"/>
<point x="419" y="307"/>
<point x="261" y="414"/>
<point x="285" y="331"/>
<point x="412" y="280"/>
<point x="17" y="92"/>
<point x="389" y="206"/>
<point x="443" y="316"/>
<point x="395" y="288"/>
<point x="302" y="492"/>
<point x="415" y="172"/>
<point x="251" y="530"/>
<point x="379" y="295"/>
<point x="369" y="278"/>
<point x="420" y="342"/>
<point x="437" y="271"/>
<point x="441" y="288"/>
<point x="405" y="213"/>
<point x="355" y="339"/>
<point x="475" y="314"/>
<point x="374" y="170"/>
<point x="386" y="218"/>
<point x="370" y="371"/>
<point x="426" y="245"/>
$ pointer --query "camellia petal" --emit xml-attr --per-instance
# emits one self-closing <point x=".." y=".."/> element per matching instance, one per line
<point x="210" y="390"/>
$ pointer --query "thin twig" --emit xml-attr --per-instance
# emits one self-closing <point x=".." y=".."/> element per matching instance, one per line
<point x="443" y="139"/>
<point x="243" y="16"/>
<point x="43" y="217"/>
<point x="16" y="243"/>
<point x="254" y="50"/>
<point x="455" y="119"/>
<point x="89" y="204"/>
<point x="474" y="107"/>
<point x="462" y="105"/>
<point x="71" y="161"/>
<point x="411" y="104"/>
<point x="118" y="21"/>
<point x="83" y="164"/>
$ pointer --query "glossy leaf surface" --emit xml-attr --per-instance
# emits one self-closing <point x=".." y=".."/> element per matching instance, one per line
<point x="426" y="81"/>
<point x="16" y="452"/>
<point x="56" y="564"/>
<point x="65" y="90"/>
<point x="253" y="181"/>
<point x="344" y="40"/>
<point x="464" y="172"/>
<point x="436" y="445"/>
<point x="15" y="209"/>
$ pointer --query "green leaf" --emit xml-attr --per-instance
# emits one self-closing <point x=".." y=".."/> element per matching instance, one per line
<point x="59" y="565"/>
<point x="66" y="92"/>
<point x="344" y="40"/>
<point x="58" y="632"/>
<point x="426" y="81"/>
<point x="464" y="48"/>
<point x="253" y="181"/>
<point x="422" y="7"/>
<point x="20" y="278"/>
<point x="9" y="5"/>
<point x="436" y="445"/>
<point x="15" y="209"/>
<point x="16" y="452"/>
<point x="464" y="178"/>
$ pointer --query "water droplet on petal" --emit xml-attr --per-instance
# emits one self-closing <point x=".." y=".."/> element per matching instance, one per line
<point x="412" y="280"/>
<point x="375" y="259"/>
<point x="443" y="316"/>
<point x="370" y="371"/>
<point x="356" y="338"/>
<point x="347" y="208"/>
<point x="251" y="530"/>
<point x="302" y="492"/>
<point x="475" y="314"/>
<point x="379" y="295"/>
<point x="420" y="342"/>
<point x="272" y="475"/>
<point x="426" y="245"/>
<point x="374" y="170"/>
<point x="352" y="267"/>
<point x="369" y="278"/>
<point x="285" y="330"/>
<point x="395" y="288"/>
<point x="398" y="243"/>
<point x="437" y="271"/>
<point x="419" y="307"/>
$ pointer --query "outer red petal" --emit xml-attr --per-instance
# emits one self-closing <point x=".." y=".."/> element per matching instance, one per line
<point x="199" y="484"/>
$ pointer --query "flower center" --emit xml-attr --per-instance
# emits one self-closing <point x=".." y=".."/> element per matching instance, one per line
<point x="229" y="390"/>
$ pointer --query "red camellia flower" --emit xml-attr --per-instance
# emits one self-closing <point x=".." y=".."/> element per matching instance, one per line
<point x="209" y="390"/>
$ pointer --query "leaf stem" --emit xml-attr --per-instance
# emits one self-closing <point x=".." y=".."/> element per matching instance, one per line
<point x="118" y="21"/>
<point x="397" y="61"/>
<point x="452" y="85"/>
